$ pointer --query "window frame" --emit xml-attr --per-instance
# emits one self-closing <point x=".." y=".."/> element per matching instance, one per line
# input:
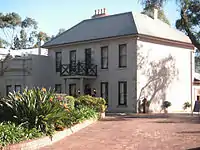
<point x="71" y="61"/>
<point x="57" y="85"/>
<point x="7" y="91"/>
<point x="18" y="86"/>
<point x="125" y="94"/>
<point x="58" y="69"/>
<point x="106" y="91"/>
<point x="121" y="56"/>
<point x="104" y="57"/>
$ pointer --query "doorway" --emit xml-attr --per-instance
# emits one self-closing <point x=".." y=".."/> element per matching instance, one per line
<point x="87" y="90"/>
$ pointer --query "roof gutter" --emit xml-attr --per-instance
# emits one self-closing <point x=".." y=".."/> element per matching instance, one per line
<point x="165" y="41"/>
<point x="142" y="37"/>
<point x="90" y="41"/>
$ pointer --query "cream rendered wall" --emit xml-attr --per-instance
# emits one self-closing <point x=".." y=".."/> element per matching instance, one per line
<point x="179" y="89"/>
<point x="111" y="75"/>
<point x="40" y="73"/>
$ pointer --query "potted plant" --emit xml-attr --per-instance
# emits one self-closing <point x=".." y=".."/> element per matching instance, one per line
<point x="166" y="105"/>
<point x="186" y="105"/>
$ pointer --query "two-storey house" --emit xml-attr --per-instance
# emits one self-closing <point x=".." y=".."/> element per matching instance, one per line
<point x="124" y="58"/>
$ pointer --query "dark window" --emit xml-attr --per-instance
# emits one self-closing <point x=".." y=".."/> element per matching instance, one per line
<point x="72" y="90"/>
<point x="122" y="90"/>
<point x="58" y="88"/>
<point x="58" y="61"/>
<point x="8" y="89"/>
<point x="17" y="88"/>
<point x="122" y="55"/>
<point x="72" y="57"/>
<point x="88" y="56"/>
<point x="104" y="91"/>
<point x="104" y="57"/>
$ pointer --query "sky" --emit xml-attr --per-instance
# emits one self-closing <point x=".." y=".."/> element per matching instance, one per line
<point x="52" y="15"/>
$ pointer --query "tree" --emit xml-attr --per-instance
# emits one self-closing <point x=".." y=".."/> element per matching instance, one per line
<point x="154" y="3"/>
<point x="61" y="30"/>
<point x="3" y="43"/>
<point x="27" y="34"/>
<point x="41" y="36"/>
<point x="8" y="24"/>
<point x="149" y="9"/>
<point x="190" y="20"/>
<point x="21" y="34"/>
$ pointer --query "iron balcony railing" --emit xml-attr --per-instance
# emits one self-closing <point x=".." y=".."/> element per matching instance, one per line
<point x="78" y="69"/>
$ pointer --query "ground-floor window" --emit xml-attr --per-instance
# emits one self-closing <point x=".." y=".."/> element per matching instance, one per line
<point x="17" y="88"/>
<point x="104" y="91"/>
<point x="122" y="93"/>
<point x="8" y="89"/>
<point x="72" y="89"/>
<point x="58" y="88"/>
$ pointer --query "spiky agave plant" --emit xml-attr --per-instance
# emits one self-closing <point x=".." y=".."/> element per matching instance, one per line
<point x="35" y="108"/>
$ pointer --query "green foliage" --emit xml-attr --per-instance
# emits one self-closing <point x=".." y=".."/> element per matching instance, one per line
<point x="67" y="101"/>
<point x="186" y="105"/>
<point x="154" y="3"/>
<point x="36" y="108"/>
<point x="97" y="103"/>
<point x="61" y="30"/>
<point x="166" y="104"/>
<point x="189" y="21"/>
<point x="11" y="133"/>
<point x="37" y="112"/>
<point x="148" y="10"/>
<point x="78" y="115"/>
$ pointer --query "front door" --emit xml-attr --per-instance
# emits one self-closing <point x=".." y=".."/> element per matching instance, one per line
<point x="72" y="90"/>
<point x="87" y="90"/>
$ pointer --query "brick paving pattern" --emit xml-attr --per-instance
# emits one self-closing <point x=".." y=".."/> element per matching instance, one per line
<point x="135" y="133"/>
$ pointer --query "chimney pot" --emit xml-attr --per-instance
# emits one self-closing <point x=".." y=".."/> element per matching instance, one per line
<point x="104" y="10"/>
<point x="98" y="12"/>
<point x="101" y="11"/>
<point x="95" y="12"/>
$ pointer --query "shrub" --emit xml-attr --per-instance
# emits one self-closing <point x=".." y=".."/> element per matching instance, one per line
<point x="166" y="104"/>
<point x="78" y="115"/>
<point x="11" y="133"/>
<point x="186" y="105"/>
<point x="69" y="101"/>
<point x="35" y="108"/>
<point x="97" y="103"/>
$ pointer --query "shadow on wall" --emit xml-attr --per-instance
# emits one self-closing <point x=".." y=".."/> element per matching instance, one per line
<point x="159" y="74"/>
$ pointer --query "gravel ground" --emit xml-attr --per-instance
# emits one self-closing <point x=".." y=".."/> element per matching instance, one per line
<point x="136" y="132"/>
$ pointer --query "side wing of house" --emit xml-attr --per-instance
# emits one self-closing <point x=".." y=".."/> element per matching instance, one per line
<point x="164" y="74"/>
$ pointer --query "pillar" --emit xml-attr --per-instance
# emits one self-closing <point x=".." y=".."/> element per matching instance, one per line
<point x="81" y="87"/>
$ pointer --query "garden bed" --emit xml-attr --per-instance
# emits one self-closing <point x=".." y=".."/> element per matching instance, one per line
<point x="38" y="113"/>
<point x="45" y="141"/>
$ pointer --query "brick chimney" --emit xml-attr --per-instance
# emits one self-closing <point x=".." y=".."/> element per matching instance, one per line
<point x="99" y="13"/>
<point x="155" y="13"/>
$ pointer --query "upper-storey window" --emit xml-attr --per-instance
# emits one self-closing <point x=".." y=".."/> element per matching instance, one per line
<point x="104" y="57"/>
<point x="122" y="56"/>
<point x="58" y="61"/>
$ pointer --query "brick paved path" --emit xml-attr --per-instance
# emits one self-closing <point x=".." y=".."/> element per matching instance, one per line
<point x="130" y="133"/>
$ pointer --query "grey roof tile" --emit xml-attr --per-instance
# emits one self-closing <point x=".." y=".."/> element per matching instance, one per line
<point x="117" y="25"/>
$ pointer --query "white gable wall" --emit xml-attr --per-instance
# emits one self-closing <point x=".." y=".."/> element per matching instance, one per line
<point x="179" y="89"/>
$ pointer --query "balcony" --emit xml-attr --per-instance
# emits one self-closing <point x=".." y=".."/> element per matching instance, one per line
<point x="78" y="69"/>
